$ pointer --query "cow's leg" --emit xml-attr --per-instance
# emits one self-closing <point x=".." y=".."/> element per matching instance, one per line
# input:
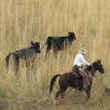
<point x="33" y="62"/>
<point x="47" y="54"/>
<point x="55" y="53"/>
<point x="70" y="48"/>
<point x="7" y="60"/>
<point x="16" y="63"/>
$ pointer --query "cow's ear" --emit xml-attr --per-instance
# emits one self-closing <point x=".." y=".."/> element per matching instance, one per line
<point x="32" y="43"/>
<point x="98" y="60"/>
<point x="69" y="32"/>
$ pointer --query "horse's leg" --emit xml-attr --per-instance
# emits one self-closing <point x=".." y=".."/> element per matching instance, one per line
<point x="61" y="92"/>
<point x="88" y="94"/>
<point x="88" y="91"/>
<point x="58" y="93"/>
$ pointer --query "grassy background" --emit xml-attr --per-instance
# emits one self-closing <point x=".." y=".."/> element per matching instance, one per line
<point x="24" y="20"/>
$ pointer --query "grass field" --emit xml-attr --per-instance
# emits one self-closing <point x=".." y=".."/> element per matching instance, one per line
<point x="24" y="20"/>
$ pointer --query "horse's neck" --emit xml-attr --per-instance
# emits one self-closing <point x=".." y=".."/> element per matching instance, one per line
<point x="90" y="69"/>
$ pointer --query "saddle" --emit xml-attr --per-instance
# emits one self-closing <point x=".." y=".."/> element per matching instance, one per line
<point x="80" y="72"/>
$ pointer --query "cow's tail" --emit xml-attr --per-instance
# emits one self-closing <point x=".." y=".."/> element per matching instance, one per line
<point x="43" y="45"/>
<point x="53" y="81"/>
<point x="7" y="59"/>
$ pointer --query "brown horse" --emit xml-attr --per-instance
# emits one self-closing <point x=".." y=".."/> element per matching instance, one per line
<point x="68" y="79"/>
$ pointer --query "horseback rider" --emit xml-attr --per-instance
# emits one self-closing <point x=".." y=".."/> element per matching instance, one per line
<point x="79" y="64"/>
<point x="80" y="60"/>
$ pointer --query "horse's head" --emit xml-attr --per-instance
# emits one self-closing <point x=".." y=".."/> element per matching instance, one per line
<point x="98" y="66"/>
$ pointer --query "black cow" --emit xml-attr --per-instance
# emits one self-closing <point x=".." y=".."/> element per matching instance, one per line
<point x="59" y="43"/>
<point x="26" y="54"/>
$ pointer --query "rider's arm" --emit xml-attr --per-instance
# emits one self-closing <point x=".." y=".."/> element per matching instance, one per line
<point x="84" y="61"/>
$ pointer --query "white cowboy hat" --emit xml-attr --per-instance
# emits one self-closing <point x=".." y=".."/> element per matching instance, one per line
<point x="82" y="51"/>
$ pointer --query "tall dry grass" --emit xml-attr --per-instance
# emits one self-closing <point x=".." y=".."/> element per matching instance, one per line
<point x="24" y="20"/>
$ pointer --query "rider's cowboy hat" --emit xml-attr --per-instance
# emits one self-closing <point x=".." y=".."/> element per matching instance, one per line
<point x="82" y="51"/>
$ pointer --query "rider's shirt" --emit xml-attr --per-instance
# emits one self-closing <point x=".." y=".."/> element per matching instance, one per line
<point x="80" y="60"/>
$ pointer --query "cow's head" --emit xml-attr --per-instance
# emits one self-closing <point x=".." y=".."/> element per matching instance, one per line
<point x="36" y="46"/>
<point x="71" y="36"/>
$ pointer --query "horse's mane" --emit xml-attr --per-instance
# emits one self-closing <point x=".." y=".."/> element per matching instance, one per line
<point x="90" y="67"/>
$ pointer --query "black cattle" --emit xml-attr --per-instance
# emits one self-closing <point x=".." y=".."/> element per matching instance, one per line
<point x="26" y="54"/>
<point x="59" y="43"/>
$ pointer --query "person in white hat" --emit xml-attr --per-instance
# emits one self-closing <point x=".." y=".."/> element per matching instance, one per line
<point x="79" y="64"/>
<point x="80" y="58"/>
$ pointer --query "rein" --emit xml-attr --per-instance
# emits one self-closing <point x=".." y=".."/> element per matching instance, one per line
<point x="90" y="69"/>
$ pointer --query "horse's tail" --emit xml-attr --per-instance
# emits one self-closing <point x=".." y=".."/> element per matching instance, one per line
<point x="7" y="59"/>
<point x="53" y="81"/>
